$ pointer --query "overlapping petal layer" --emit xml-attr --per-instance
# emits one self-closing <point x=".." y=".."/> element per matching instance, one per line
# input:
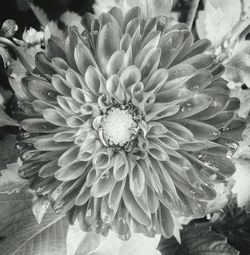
<point x="128" y="124"/>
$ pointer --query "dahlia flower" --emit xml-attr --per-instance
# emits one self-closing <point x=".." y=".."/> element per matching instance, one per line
<point x="127" y="125"/>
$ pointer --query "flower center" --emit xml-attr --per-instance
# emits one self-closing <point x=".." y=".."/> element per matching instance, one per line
<point x="118" y="127"/>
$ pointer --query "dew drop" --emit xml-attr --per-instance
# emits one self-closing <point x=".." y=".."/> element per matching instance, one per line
<point x="169" y="42"/>
<point x="213" y="177"/>
<point x="19" y="147"/>
<point x="106" y="175"/>
<point x="88" y="213"/>
<point x="51" y="94"/>
<point x="106" y="218"/>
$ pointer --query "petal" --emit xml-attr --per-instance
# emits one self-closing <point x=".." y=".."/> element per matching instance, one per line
<point x="69" y="156"/>
<point x="133" y="207"/>
<point x="178" y="130"/>
<point x="222" y="119"/>
<point x="199" y="81"/>
<point x="131" y="14"/>
<point x="46" y="144"/>
<point x="70" y="45"/>
<point x="121" y="166"/>
<point x="150" y="62"/>
<point x="195" y="105"/>
<point x="153" y="201"/>
<point x="200" y="61"/>
<point x="137" y="180"/>
<point x="40" y="89"/>
<point x="49" y="169"/>
<point x="115" y="195"/>
<point x="161" y="110"/>
<point x="108" y="42"/>
<point x="94" y="80"/>
<point x="166" y="221"/>
<point x="36" y="125"/>
<point x="83" y="58"/>
<point x="71" y="171"/>
<point x="198" y="47"/>
<point x="116" y="63"/>
<point x="83" y="196"/>
<point x="102" y="159"/>
<point x="130" y="76"/>
<point x="220" y="100"/>
<point x="103" y="185"/>
<point x="156" y="81"/>
<point x="107" y="214"/>
<point x="54" y="117"/>
<point x="43" y="65"/>
<point x="170" y="45"/>
<point x="61" y="85"/>
<point x="200" y="130"/>
<point x="55" y="48"/>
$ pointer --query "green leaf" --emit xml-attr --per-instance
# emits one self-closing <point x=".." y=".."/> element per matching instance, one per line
<point x="197" y="239"/>
<point x="5" y="120"/>
<point x="21" y="234"/>
<point x="234" y="223"/>
<point x="9" y="153"/>
<point x="10" y="181"/>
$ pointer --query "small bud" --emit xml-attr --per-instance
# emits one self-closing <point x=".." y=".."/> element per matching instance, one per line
<point x="9" y="28"/>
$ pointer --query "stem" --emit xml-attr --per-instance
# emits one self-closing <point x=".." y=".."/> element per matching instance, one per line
<point x="192" y="13"/>
<point x="17" y="52"/>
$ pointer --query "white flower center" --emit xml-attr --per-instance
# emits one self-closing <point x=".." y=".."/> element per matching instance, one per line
<point x="118" y="126"/>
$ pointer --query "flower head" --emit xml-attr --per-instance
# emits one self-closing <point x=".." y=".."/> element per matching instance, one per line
<point x="128" y="124"/>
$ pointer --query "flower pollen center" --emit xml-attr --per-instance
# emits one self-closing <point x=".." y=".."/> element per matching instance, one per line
<point x="118" y="126"/>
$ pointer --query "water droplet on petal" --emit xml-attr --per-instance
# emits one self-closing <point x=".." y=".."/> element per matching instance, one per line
<point x="88" y="213"/>
<point x="168" y="42"/>
<point x="106" y="175"/>
<point x="213" y="177"/>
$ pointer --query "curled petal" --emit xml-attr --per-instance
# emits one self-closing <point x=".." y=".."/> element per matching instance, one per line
<point x="201" y="130"/>
<point x="101" y="159"/>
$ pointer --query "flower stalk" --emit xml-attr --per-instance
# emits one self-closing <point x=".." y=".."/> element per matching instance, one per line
<point x="17" y="52"/>
<point x="192" y="13"/>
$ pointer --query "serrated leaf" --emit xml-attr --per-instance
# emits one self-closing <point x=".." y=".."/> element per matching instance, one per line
<point x="197" y="239"/>
<point x="149" y="8"/>
<point x="21" y="234"/>
<point x="9" y="153"/>
<point x="234" y="223"/>
<point x="5" y="120"/>
<point x="10" y="181"/>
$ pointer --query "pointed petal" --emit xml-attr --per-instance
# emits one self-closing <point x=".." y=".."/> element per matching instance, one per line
<point x="133" y="207"/>
<point x="108" y="42"/>
<point x="71" y="171"/>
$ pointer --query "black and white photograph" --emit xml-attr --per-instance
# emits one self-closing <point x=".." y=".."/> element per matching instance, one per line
<point x="125" y="127"/>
